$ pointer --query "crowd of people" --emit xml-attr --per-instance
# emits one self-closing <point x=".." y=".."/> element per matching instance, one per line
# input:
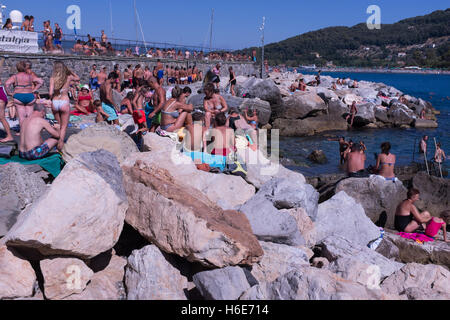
<point x="154" y="109"/>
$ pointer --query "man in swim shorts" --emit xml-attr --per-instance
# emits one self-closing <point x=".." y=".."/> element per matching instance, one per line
<point x="160" y="72"/>
<point x="32" y="146"/>
<point x="106" y="96"/>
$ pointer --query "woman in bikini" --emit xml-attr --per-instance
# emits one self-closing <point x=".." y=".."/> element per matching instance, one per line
<point x="174" y="112"/>
<point x="214" y="104"/>
<point x="59" y="89"/>
<point x="25" y="85"/>
<point x="232" y="81"/>
<point x="386" y="162"/>
<point x="252" y="118"/>
<point x="85" y="102"/>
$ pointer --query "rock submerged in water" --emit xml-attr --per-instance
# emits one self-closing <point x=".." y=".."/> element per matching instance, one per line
<point x="318" y="156"/>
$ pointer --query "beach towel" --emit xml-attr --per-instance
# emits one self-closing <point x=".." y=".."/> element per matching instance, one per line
<point x="52" y="164"/>
<point x="212" y="160"/>
<point x="417" y="237"/>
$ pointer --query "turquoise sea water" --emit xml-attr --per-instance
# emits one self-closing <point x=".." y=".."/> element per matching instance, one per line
<point x="432" y="88"/>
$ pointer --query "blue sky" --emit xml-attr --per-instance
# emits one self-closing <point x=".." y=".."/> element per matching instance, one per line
<point x="236" y="22"/>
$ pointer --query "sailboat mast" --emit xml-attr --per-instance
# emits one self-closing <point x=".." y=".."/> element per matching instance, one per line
<point x="135" y="21"/>
<point x="111" y="17"/>
<point x="211" y="34"/>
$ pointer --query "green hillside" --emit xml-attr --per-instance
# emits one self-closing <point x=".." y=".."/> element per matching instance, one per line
<point x="423" y="41"/>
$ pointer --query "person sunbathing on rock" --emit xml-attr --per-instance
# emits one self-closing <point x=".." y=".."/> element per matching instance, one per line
<point x="252" y="117"/>
<point x="356" y="162"/>
<point x="213" y="104"/>
<point x="174" y="113"/>
<point x="407" y="218"/>
<point x="195" y="132"/>
<point x="32" y="146"/>
<point x="386" y="163"/>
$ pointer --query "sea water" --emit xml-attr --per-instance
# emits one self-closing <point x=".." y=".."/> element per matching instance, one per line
<point x="430" y="87"/>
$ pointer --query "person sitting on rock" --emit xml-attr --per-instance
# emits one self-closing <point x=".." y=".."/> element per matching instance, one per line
<point x="302" y="85"/>
<point x="356" y="162"/>
<point x="386" y="163"/>
<point x="222" y="137"/>
<point x="32" y="146"/>
<point x="435" y="224"/>
<point x="407" y="218"/>
<point x="195" y="137"/>
<point x="101" y="114"/>
<point x="252" y="117"/>
<point x="213" y="104"/>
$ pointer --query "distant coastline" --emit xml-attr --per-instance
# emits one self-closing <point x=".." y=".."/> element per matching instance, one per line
<point x="371" y="70"/>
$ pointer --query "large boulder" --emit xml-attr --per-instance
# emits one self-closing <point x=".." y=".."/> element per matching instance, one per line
<point x="425" y="124"/>
<point x="107" y="284"/>
<point x="399" y="114"/>
<point x="261" y="170"/>
<point x="99" y="136"/>
<point x="308" y="283"/>
<point x="432" y="279"/>
<point x="343" y="216"/>
<point x="434" y="193"/>
<point x="222" y="284"/>
<point x="182" y="220"/>
<point x="337" y="108"/>
<point x="266" y="215"/>
<point x="309" y="126"/>
<point x="226" y="190"/>
<point x="149" y="276"/>
<point x="365" y="114"/>
<point x="18" y="189"/>
<point x="64" y="277"/>
<point x="301" y="105"/>
<point x="352" y="260"/>
<point x="259" y="88"/>
<point x="376" y="195"/>
<point x="367" y="93"/>
<point x="437" y="252"/>
<point x="278" y="260"/>
<point x="17" y="277"/>
<point x="82" y="214"/>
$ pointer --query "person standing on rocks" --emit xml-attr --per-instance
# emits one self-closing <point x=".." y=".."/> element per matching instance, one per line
<point x="32" y="146"/>
<point x="407" y="218"/>
<point x="138" y="74"/>
<point x="156" y="105"/>
<point x="439" y="155"/>
<point x="25" y="85"/>
<point x="93" y="78"/>
<point x="60" y="82"/>
<point x="3" y="104"/>
<point x="423" y="146"/>
<point x="102" y="76"/>
<point x="353" y="112"/>
<point x="106" y="97"/>
<point x="232" y="81"/>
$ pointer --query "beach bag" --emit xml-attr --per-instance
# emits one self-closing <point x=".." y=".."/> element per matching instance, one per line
<point x="236" y="167"/>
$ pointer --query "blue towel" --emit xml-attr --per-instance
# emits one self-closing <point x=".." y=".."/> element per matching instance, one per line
<point x="213" y="160"/>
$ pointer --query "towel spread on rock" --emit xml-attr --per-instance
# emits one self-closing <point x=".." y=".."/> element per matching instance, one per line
<point x="212" y="160"/>
<point x="52" y="164"/>
<point x="418" y="237"/>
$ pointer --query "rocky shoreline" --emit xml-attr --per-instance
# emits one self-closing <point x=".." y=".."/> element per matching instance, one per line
<point x="320" y="108"/>
<point x="122" y="224"/>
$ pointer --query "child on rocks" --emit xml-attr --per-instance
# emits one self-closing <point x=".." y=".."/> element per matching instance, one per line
<point x="435" y="224"/>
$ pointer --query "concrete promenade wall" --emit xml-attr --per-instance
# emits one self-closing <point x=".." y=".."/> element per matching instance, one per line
<point x="43" y="65"/>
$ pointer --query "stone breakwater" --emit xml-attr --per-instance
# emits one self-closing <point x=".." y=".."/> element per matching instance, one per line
<point x="320" y="109"/>
<point x="150" y="226"/>
<point x="43" y="65"/>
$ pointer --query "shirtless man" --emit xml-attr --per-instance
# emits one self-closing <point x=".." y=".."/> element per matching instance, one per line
<point x="195" y="137"/>
<point x="407" y="217"/>
<point x="138" y="74"/>
<point x="102" y="76"/>
<point x="32" y="146"/>
<point x="106" y="96"/>
<point x="147" y="73"/>
<point x="355" y="161"/>
<point x="353" y="112"/>
<point x="143" y="95"/>
<point x="160" y="72"/>
<point x="127" y="76"/>
<point x="439" y="155"/>
<point x="222" y="136"/>
<point x="93" y="78"/>
<point x="104" y="37"/>
<point x="157" y="103"/>
<point x="423" y="145"/>
<point x="213" y="104"/>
